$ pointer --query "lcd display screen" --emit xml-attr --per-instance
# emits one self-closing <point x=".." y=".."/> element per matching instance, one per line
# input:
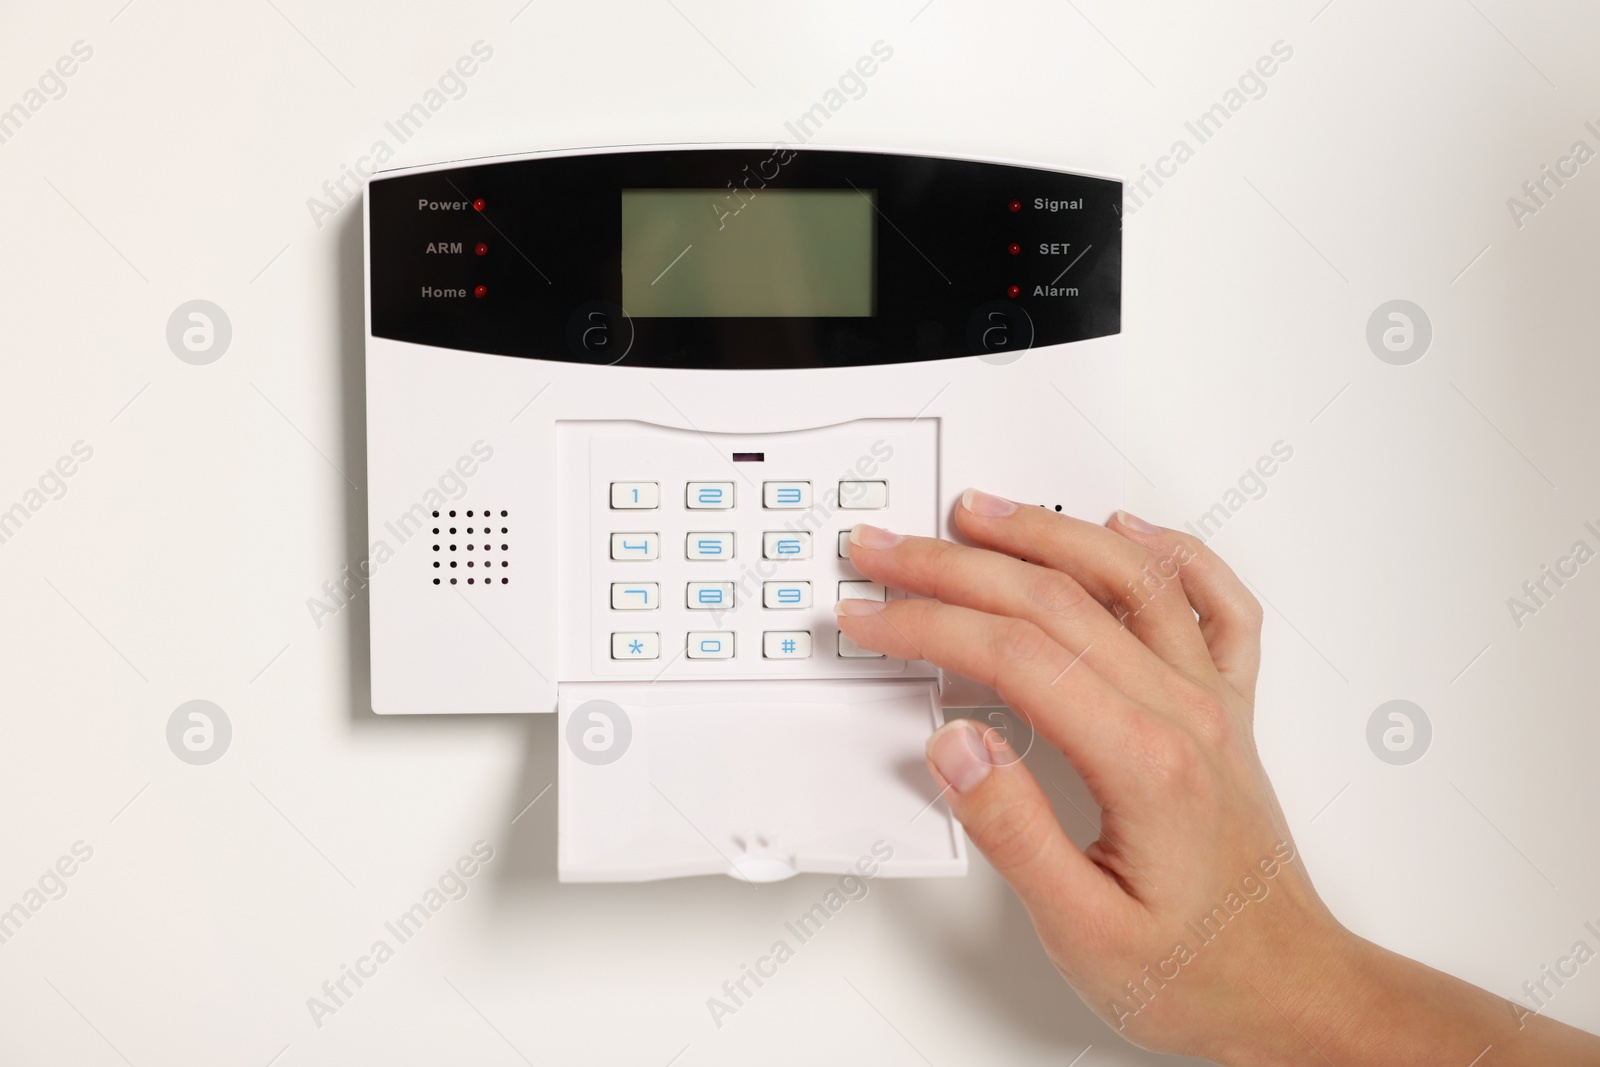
<point x="764" y="253"/>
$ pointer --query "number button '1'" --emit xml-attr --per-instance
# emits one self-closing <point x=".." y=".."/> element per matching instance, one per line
<point x="635" y="495"/>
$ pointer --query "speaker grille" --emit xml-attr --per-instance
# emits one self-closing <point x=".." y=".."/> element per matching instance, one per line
<point x="472" y="546"/>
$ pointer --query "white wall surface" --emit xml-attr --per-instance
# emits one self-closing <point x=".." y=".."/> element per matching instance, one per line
<point x="178" y="562"/>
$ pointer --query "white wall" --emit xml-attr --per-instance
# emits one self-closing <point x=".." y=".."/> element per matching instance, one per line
<point x="218" y="499"/>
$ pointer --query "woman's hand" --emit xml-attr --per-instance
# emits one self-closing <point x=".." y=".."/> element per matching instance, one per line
<point x="1191" y="925"/>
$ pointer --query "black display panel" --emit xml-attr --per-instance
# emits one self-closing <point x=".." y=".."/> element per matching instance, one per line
<point x="525" y="258"/>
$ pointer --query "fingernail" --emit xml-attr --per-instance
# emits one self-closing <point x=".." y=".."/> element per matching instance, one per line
<point x="857" y="606"/>
<point x="1133" y="522"/>
<point x="958" y="751"/>
<point x="874" y="537"/>
<point x="980" y="503"/>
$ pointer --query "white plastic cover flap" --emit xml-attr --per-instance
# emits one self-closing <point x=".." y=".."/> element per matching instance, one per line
<point x="757" y="780"/>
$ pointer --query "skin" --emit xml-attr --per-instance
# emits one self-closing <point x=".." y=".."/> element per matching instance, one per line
<point x="1135" y="651"/>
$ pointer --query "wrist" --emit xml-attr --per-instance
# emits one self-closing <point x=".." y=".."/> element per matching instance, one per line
<point x="1348" y="1001"/>
<point x="1310" y="1005"/>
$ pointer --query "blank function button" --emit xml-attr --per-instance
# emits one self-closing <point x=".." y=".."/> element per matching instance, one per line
<point x="786" y="594"/>
<point x="863" y="496"/>
<point x="844" y="544"/>
<point x="710" y="596"/>
<point x="709" y="495"/>
<point x="860" y="591"/>
<point x="709" y="546"/>
<point x="786" y="544"/>
<point x="636" y="645"/>
<point x="786" y="644"/>
<point x="848" y="649"/>
<point x="635" y="495"/>
<point x="786" y="495"/>
<point x="710" y="644"/>
<point x="635" y="596"/>
<point x="635" y="545"/>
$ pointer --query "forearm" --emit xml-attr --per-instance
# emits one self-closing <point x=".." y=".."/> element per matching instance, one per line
<point x="1359" y="1004"/>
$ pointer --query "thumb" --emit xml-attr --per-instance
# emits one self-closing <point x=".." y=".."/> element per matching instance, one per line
<point x="1011" y="821"/>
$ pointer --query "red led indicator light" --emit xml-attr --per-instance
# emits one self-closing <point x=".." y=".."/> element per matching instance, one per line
<point x="1015" y="205"/>
<point x="483" y="290"/>
<point x="1013" y="291"/>
<point x="477" y="205"/>
<point x="481" y="248"/>
<point x="1013" y="248"/>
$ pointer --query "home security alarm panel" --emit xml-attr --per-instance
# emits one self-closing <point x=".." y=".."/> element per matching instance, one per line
<point x="624" y="407"/>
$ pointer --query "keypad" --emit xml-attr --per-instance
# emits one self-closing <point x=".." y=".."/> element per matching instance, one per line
<point x="778" y="547"/>
<point x="718" y="556"/>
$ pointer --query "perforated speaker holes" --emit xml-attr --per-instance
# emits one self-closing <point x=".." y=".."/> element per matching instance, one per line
<point x="485" y="523"/>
